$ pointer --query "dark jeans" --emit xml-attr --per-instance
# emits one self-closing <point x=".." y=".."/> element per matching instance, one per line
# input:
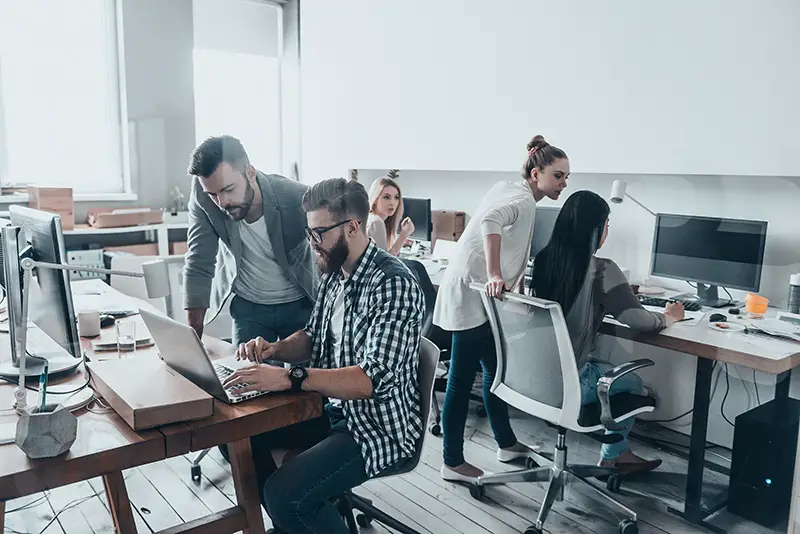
<point x="472" y="349"/>
<point x="278" y="321"/>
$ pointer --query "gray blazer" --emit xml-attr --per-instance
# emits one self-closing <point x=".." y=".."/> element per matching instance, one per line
<point x="208" y="282"/>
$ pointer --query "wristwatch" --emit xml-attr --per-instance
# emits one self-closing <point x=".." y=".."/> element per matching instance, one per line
<point x="297" y="375"/>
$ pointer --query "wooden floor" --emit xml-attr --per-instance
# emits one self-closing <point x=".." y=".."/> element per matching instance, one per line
<point x="163" y="495"/>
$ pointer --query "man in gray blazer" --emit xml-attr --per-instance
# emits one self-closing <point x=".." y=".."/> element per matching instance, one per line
<point x="265" y="262"/>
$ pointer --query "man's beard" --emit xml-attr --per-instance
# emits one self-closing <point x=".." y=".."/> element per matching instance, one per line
<point x="237" y="212"/>
<point x="333" y="260"/>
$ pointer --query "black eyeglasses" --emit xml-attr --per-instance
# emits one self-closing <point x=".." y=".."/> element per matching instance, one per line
<point x="315" y="234"/>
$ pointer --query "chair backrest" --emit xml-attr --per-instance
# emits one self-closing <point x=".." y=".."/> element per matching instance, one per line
<point x="421" y="274"/>
<point x="536" y="367"/>
<point x="428" y="360"/>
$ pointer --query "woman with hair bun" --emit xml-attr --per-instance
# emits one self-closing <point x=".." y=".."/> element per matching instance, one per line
<point x="493" y="250"/>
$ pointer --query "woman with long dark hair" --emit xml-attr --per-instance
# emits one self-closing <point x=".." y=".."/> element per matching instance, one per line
<point x="587" y="288"/>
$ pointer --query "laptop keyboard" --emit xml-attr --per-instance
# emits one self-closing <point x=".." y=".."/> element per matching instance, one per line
<point x="223" y="373"/>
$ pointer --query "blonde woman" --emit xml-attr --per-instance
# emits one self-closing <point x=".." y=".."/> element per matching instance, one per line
<point x="385" y="214"/>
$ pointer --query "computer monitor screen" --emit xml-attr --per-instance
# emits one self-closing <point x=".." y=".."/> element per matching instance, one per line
<point x="49" y="297"/>
<point x="544" y="221"/>
<point x="709" y="251"/>
<point x="419" y="211"/>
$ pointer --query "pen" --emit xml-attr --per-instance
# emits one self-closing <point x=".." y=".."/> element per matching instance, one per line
<point x="43" y="388"/>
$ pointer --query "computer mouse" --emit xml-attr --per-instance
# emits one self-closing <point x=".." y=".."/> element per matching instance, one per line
<point x="717" y="318"/>
<point x="734" y="311"/>
<point x="106" y="321"/>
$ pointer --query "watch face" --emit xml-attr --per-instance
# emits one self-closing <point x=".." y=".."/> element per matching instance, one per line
<point x="297" y="372"/>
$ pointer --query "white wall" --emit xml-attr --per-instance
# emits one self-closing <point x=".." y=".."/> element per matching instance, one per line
<point x="680" y="87"/>
<point x="772" y="199"/>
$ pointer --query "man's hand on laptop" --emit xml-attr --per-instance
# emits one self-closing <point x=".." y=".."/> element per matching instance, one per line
<point x="256" y="350"/>
<point x="267" y="378"/>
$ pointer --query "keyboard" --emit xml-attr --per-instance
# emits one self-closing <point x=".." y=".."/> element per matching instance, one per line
<point x="117" y="314"/>
<point x="688" y="305"/>
<point x="224" y="372"/>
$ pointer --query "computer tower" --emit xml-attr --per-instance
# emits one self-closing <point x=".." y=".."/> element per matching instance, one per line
<point x="762" y="466"/>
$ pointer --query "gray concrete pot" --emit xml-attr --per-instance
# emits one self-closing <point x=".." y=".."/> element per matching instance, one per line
<point x="48" y="433"/>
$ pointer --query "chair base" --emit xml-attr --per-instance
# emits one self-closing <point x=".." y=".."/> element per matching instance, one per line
<point x="368" y="512"/>
<point x="558" y="473"/>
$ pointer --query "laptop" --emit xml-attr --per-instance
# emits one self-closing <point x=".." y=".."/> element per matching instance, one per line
<point x="182" y="350"/>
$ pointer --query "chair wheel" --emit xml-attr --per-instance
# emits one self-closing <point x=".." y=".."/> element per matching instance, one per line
<point x="480" y="411"/>
<point x="363" y="520"/>
<point x="196" y="472"/>
<point x="530" y="463"/>
<point x="533" y="530"/>
<point x="626" y="526"/>
<point x="436" y="429"/>
<point x="613" y="484"/>
<point x="477" y="492"/>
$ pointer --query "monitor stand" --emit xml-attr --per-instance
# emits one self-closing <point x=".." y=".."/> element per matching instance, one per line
<point x="707" y="295"/>
<point x="58" y="359"/>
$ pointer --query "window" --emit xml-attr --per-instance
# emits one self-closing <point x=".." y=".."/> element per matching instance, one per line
<point x="60" y="112"/>
<point x="237" y="76"/>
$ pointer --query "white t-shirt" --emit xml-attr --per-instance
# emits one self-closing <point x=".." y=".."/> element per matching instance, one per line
<point x="259" y="277"/>
<point x="336" y="327"/>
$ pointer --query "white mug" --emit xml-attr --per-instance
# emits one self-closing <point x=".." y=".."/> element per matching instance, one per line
<point x="89" y="323"/>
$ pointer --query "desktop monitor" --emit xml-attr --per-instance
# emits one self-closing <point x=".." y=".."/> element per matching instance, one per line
<point x="419" y="211"/>
<point x="544" y="221"/>
<point x="711" y="252"/>
<point x="49" y="297"/>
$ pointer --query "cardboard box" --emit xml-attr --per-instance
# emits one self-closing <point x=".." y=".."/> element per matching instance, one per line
<point x="447" y="225"/>
<point x="55" y="200"/>
<point x="146" y="392"/>
<point x="178" y="247"/>
<point x="145" y="249"/>
<point x="116" y="218"/>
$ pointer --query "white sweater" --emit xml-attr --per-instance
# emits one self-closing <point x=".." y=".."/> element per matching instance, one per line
<point x="508" y="210"/>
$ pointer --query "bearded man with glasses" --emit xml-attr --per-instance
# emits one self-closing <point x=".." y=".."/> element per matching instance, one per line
<point x="362" y="344"/>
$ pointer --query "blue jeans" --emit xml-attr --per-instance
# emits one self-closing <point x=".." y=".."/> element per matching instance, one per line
<point x="472" y="349"/>
<point x="274" y="322"/>
<point x="629" y="383"/>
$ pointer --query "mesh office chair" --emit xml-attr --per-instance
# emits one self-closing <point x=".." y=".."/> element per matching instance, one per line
<point x="440" y="338"/>
<point x="349" y="502"/>
<point x="538" y="374"/>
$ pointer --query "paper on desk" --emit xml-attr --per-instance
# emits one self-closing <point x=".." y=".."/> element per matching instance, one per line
<point x="691" y="317"/>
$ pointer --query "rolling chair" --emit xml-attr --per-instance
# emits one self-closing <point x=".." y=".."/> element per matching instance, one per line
<point x="538" y="374"/>
<point x="440" y="338"/>
<point x="348" y="503"/>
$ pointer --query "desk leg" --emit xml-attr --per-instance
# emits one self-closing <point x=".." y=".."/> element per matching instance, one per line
<point x="782" y="383"/>
<point x="693" y="509"/>
<point x="246" y="485"/>
<point x="117" y="496"/>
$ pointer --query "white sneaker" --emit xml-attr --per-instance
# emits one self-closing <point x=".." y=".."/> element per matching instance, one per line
<point x="507" y="455"/>
<point x="454" y="476"/>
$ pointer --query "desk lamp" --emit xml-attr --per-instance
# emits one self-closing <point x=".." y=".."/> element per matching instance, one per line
<point x="618" y="194"/>
<point x="156" y="279"/>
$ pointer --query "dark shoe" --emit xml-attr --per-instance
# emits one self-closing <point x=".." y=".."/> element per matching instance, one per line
<point x="637" y="468"/>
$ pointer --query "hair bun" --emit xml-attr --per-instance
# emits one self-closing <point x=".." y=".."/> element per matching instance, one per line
<point x="537" y="142"/>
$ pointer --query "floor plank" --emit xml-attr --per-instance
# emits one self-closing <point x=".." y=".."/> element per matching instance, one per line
<point x="172" y="487"/>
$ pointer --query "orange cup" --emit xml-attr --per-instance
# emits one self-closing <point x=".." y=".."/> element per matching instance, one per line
<point x="756" y="305"/>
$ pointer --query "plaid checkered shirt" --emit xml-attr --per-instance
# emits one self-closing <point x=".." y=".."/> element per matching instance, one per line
<point x="383" y="314"/>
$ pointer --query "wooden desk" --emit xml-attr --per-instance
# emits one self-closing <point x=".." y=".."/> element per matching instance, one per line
<point x="106" y="445"/>
<point x="768" y="355"/>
